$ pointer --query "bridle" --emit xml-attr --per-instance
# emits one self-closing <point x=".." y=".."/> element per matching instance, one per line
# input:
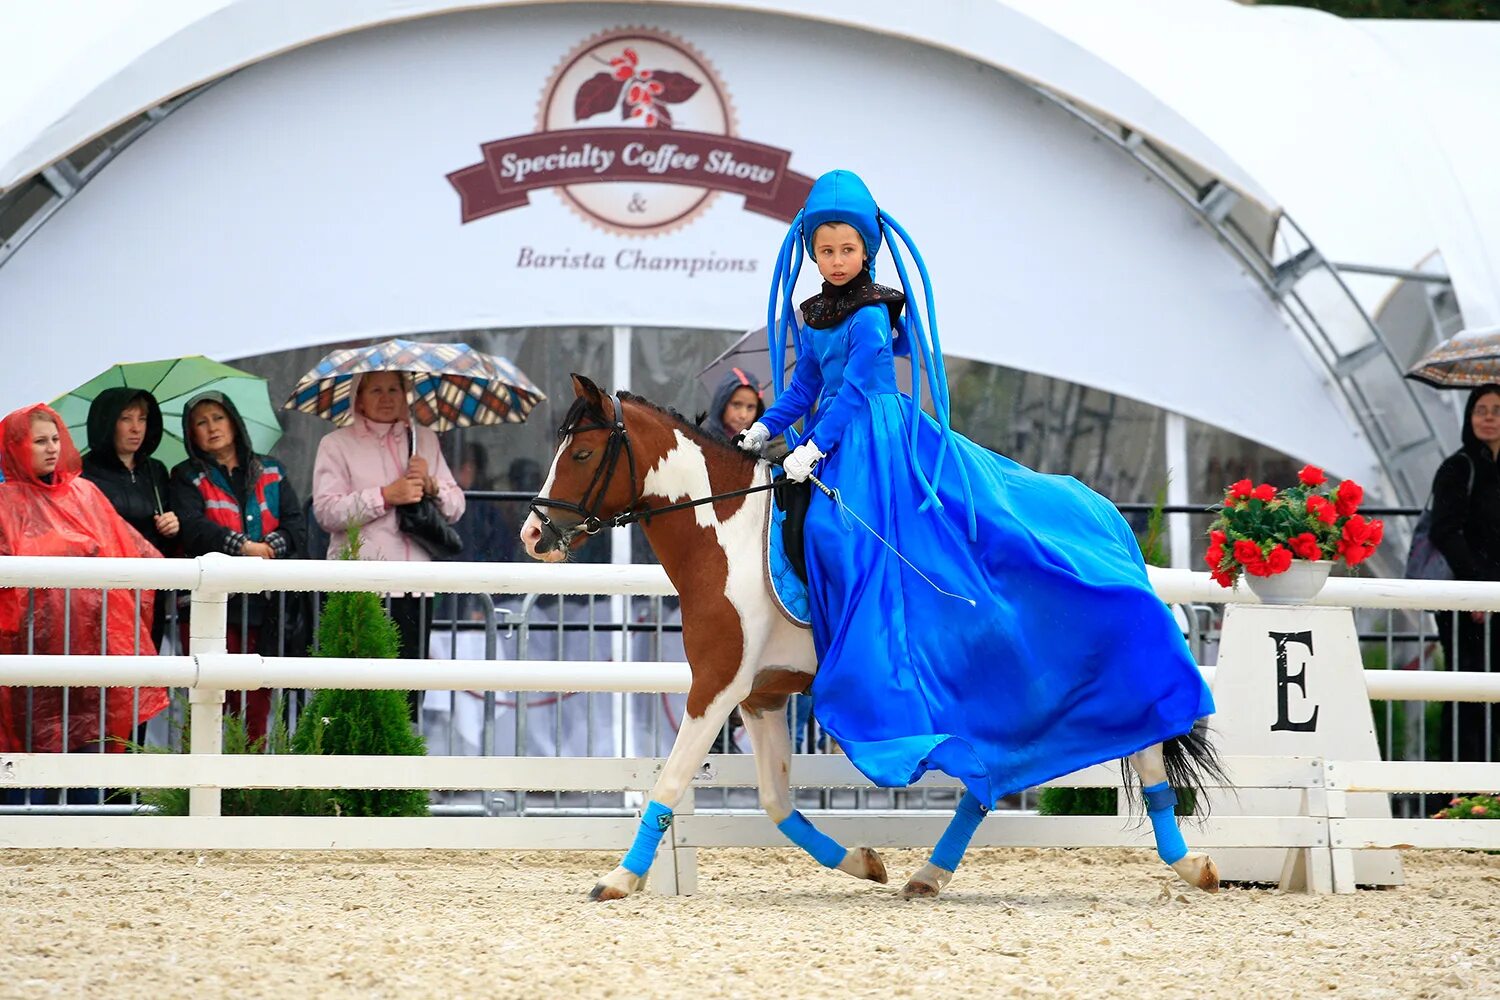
<point x="587" y="507"/>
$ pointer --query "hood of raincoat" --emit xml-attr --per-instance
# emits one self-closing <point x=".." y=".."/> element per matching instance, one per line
<point x="713" y="421"/>
<point x="241" y="434"/>
<point x="15" y="450"/>
<point x="66" y="517"/>
<point x="105" y="410"/>
<point x="1471" y="442"/>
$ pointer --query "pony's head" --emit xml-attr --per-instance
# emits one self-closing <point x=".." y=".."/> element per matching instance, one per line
<point x="593" y="476"/>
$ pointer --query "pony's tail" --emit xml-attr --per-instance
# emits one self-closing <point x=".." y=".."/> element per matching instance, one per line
<point x="1192" y="763"/>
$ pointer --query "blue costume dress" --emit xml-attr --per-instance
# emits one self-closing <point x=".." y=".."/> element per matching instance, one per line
<point x="1067" y="659"/>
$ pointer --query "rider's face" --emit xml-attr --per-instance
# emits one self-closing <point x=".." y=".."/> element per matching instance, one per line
<point x="839" y="252"/>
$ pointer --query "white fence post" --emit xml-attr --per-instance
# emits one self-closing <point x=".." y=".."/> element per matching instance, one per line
<point x="208" y="635"/>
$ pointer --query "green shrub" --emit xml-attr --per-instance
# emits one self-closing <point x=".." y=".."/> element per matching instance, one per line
<point x="1078" y="802"/>
<point x="361" y="722"/>
<point x="1097" y="802"/>
<point x="334" y="722"/>
<point x="242" y="801"/>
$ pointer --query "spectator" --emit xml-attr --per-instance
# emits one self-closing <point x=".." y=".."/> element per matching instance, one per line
<point x="231" y="500"/>
<point x="364" y="472"/>
<point x="125" y="428"/>
<point x="47" y="509"/>
<point x="1466" y="530"/>
<point x="736" y="404"/>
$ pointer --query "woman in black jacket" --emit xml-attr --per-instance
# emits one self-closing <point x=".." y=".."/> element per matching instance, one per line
<point x="125" y="428"/>
<point x="1466" y="530"/>
<point x="237" y="502"/>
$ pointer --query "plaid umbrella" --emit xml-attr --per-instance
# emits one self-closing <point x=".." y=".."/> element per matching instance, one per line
<point x="175" y="381"/>
<point x="453" y="385"/>
<point x="1462" y="361"/>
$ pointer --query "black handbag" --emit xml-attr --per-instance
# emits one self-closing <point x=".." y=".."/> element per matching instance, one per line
<point x="427" y="526"/>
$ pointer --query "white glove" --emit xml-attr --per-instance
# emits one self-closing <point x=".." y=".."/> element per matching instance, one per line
<point x="754" y="438"/>
<point x="799" y="464"/>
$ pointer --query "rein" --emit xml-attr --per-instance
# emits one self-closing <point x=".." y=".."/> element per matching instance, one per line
<point x="618" y="443"/>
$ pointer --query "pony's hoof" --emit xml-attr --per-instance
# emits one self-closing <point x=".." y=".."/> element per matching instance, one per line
<point x="602" y="893"/>
<point x="616" y="885"/>
<point x="1198" y="869"/>
<point x="863" y="862"/>
<point x="919" y="890"/>
<point x="927" y="883"/>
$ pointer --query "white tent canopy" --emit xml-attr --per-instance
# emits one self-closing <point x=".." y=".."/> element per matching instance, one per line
<point x="1376" y="135"/>
<point x="1369" y="134"/>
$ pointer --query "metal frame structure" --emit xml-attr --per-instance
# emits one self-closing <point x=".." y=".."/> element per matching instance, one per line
<point x="1407" y="460"/>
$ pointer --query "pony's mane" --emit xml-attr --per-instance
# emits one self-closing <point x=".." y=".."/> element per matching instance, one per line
<point x="673" y="417"/>
<point x="693" y="431"/>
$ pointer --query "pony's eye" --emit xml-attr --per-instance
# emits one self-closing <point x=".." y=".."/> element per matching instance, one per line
<point x="582" y="456"/>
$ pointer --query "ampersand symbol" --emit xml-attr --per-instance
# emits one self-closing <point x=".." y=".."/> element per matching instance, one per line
<point x="637" y="204"/>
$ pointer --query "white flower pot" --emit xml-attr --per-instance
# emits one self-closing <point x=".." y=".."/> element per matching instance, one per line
<point x="1299" y="584"/>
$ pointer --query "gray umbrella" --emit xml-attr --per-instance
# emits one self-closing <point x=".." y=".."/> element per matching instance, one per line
<point x="1463" y="361"/>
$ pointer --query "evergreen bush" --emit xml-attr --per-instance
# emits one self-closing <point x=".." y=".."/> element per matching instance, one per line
<point x="361" y="722"/>
<point x="333" y="722"/>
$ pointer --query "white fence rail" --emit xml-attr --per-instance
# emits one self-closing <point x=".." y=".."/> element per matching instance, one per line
<point x="1321" y="838"/>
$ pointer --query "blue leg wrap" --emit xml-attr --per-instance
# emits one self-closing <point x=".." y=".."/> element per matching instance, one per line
<point x="1161" y="806"/>
<point x="824" y="849"/>
<point x="955" y="840"/>
<point x="654" y="823"/>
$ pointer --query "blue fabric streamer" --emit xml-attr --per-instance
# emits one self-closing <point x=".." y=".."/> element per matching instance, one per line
<point x="1161" y="806"/>
<point x="824" y="849"/>
<point x="654" y="823"/>
<point x="955" y="840"/>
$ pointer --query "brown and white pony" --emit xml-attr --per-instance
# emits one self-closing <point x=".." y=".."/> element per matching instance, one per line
<point x="621" y="455"/>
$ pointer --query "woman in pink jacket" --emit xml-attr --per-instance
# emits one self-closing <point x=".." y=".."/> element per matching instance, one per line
<point x="364" y="472"/>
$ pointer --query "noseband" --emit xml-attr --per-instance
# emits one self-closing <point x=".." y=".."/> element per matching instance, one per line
<point x="587" y="507"/>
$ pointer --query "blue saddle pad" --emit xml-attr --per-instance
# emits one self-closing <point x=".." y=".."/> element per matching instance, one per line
<point x="787" y="588"/>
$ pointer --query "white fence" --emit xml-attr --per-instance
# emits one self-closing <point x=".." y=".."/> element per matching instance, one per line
<point x="1319" y="840"/>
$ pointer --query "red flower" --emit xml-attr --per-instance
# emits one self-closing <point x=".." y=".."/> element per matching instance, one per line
<point x="1350" y="494"/>
<point x="1247" y="552"/>
<point x="1261" y="568"/>
<point x="1223" y="579"/>
<point x="1265" y="491"/>
<point x="1319" y="507"/>
<point x="1358" y="531"/>
<point x="1217" y="537"/>
<point x="1214" y="556"/>
<point x="1360" y="539"/>
<point x="1311" y="475"/>
<point x="1279" y="559"/>
<point x="1306" y="546"/>
<point x="1238" y="491"/>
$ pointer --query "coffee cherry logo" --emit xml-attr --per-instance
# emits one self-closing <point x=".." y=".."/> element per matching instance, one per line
<point x="641" y="95"/>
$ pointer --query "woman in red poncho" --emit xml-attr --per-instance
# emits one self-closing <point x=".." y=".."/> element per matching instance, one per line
<point x="48" y="509"/>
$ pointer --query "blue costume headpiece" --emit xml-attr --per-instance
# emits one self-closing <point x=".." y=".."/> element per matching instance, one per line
<point x="841" y="196"/>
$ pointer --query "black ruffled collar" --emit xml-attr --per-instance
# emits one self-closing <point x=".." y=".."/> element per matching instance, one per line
<point x="836" y="303"/>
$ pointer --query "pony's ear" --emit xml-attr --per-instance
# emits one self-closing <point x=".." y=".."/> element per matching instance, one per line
<point x="591" y="394"/>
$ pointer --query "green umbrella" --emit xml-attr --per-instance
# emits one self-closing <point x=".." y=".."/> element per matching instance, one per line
<point x="174" y="382"/>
